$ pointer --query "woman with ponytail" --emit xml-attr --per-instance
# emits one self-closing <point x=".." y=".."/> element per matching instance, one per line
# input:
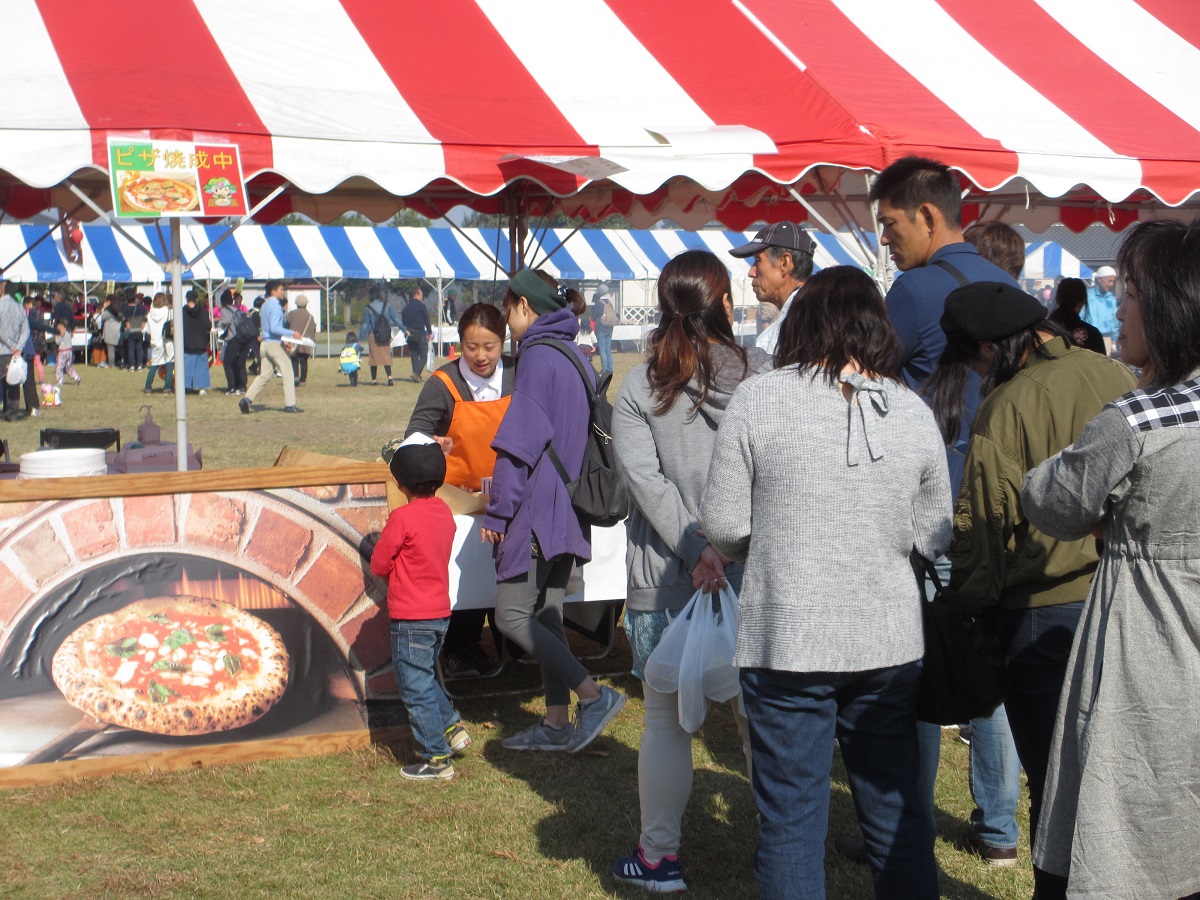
<point x="664" y="423"/>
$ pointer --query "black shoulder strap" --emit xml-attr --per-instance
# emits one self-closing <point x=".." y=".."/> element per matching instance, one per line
<point x="953" y="271"/>
<point x="562" y="348"/>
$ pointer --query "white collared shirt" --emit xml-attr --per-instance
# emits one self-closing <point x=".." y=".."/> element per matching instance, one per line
<point x="483" y="388"/>
<point x="770" y="335"/>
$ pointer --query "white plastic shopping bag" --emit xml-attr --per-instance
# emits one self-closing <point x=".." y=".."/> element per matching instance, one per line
<point x="721" y="677"/>
<point x="695" y="656"/>
<point x="17" y="370"/>
<point x="662" y="667"/>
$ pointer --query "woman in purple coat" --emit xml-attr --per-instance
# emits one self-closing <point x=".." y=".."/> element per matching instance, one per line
<point x="530" y="520"/>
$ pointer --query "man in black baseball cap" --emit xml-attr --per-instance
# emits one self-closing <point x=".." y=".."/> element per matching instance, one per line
<point x="783" y="260"/>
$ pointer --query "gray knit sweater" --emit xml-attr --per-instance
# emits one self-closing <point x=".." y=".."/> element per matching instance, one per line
<point x="824" y="500"/>
<point x="663" y="460"/>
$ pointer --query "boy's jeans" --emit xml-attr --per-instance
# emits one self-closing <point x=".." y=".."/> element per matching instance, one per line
<point x="415" y="647"/>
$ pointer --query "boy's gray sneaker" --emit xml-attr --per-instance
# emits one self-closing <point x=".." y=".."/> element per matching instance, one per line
<point x="540" y="737"/>
<point x="593" y="717"/>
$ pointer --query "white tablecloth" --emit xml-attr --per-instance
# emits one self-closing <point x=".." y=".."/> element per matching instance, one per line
<point x="473" y="573"/>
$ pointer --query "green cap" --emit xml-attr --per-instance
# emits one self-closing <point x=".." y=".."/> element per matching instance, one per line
<point x="542" y="298"/>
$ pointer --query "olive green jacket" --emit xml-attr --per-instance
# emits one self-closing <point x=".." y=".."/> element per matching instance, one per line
<point x="999" y="558"/>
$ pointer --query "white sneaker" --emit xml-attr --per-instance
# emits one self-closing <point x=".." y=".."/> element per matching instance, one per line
<point x="203" y="393"/>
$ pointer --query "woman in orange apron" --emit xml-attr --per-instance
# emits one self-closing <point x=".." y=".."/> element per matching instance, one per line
<point x="461" y="406"/>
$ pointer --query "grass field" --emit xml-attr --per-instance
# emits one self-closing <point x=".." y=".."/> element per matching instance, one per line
<point x="508" y="826"/>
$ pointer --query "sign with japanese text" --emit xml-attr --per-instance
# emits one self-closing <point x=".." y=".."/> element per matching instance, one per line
<point x="152" y="179"/>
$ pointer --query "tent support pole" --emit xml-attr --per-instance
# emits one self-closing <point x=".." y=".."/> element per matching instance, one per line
<point x="329" y="283"/>
<point x="437" y="344"/>
<point x="542" y="243"/>
<point x="45" y="236"/>
<point x="181" y="435"/>
<point x="843" y="209"/>
<point x="116" y="225"/>
<point x="213" y="246"/>
<point x="489" y="254"/>
<point x="851" y="248"/>
<point x="881" y="252"/>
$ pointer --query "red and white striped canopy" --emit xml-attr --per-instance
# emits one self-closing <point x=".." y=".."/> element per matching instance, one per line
<point x="690" y="109"/>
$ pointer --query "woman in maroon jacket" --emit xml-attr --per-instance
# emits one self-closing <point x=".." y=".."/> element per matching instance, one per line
<point x="530" y="519"/>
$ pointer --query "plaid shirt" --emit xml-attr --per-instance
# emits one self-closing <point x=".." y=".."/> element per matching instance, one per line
<point x="1177" y="406"/>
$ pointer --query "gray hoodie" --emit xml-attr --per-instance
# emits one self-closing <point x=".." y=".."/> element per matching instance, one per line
<point x="664" y="463"/>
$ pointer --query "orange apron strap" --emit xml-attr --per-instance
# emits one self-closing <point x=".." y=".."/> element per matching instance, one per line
<point x="449" y="382"/>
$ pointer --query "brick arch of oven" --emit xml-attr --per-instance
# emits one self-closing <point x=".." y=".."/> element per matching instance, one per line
<point x="304" y="543"/>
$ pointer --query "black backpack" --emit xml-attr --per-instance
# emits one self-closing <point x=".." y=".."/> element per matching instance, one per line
<point x="243" y="327"/>
<point x="381" y="330"/>
<point x="598" y="494"/>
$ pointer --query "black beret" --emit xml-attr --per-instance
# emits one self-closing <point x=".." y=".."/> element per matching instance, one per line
<point x="990" y="311"/>
<point x="414" y="464"/>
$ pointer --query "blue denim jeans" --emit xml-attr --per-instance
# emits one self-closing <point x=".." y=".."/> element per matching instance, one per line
<point x="415" y="647"/>
<point x="793" y="719"/>
<point x="604" y="348"/>
<point x="995" y="779"/>
<point x="929" y="742"/>
<point x="1038" y="643"/>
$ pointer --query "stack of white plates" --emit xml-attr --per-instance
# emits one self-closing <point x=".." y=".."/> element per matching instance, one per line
<point x="63" y="463"/>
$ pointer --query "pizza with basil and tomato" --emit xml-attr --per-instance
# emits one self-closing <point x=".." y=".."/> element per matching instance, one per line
<point x="173" y="665"/>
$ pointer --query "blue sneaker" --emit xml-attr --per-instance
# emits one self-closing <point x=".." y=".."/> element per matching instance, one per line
<point x="665" y="878"/>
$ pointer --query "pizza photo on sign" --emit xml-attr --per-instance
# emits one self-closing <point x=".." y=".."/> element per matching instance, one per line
<point x="174" y="666"/>
<point x="157" y="192"/>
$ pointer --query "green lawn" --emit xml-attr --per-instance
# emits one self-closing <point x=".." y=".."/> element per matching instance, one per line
<point x="508" y="826"/>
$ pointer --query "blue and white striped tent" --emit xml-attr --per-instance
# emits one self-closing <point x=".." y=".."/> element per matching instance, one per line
<point x="331" y="253"/>
<point x="1047" y="260"/>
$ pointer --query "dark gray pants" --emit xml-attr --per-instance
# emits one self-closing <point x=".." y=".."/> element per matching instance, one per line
<point x="12" y="397"/>
<point x="529" y="613"/>
<point x="418" y="350"/>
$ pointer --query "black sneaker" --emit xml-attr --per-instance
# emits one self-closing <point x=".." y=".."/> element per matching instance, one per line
<point x="851" y="846"/>
<point x="1001" y="857"/>
<point x="429" y="771"/>
<point x="459" y="664"/>
<point x="480" y="660"/>
<point x="244" y="406"/>
<point x="292" y="409"/>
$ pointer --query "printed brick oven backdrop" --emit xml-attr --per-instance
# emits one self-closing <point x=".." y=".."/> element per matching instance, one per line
<point x="292" y="556"/>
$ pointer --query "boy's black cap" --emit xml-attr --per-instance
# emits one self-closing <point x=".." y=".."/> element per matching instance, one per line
<point x="419" y="460"/>
<point x="990" y="311"/>
<point x="784" y="235"/>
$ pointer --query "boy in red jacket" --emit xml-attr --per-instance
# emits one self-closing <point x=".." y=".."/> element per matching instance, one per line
<point x="414" y="552"/>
